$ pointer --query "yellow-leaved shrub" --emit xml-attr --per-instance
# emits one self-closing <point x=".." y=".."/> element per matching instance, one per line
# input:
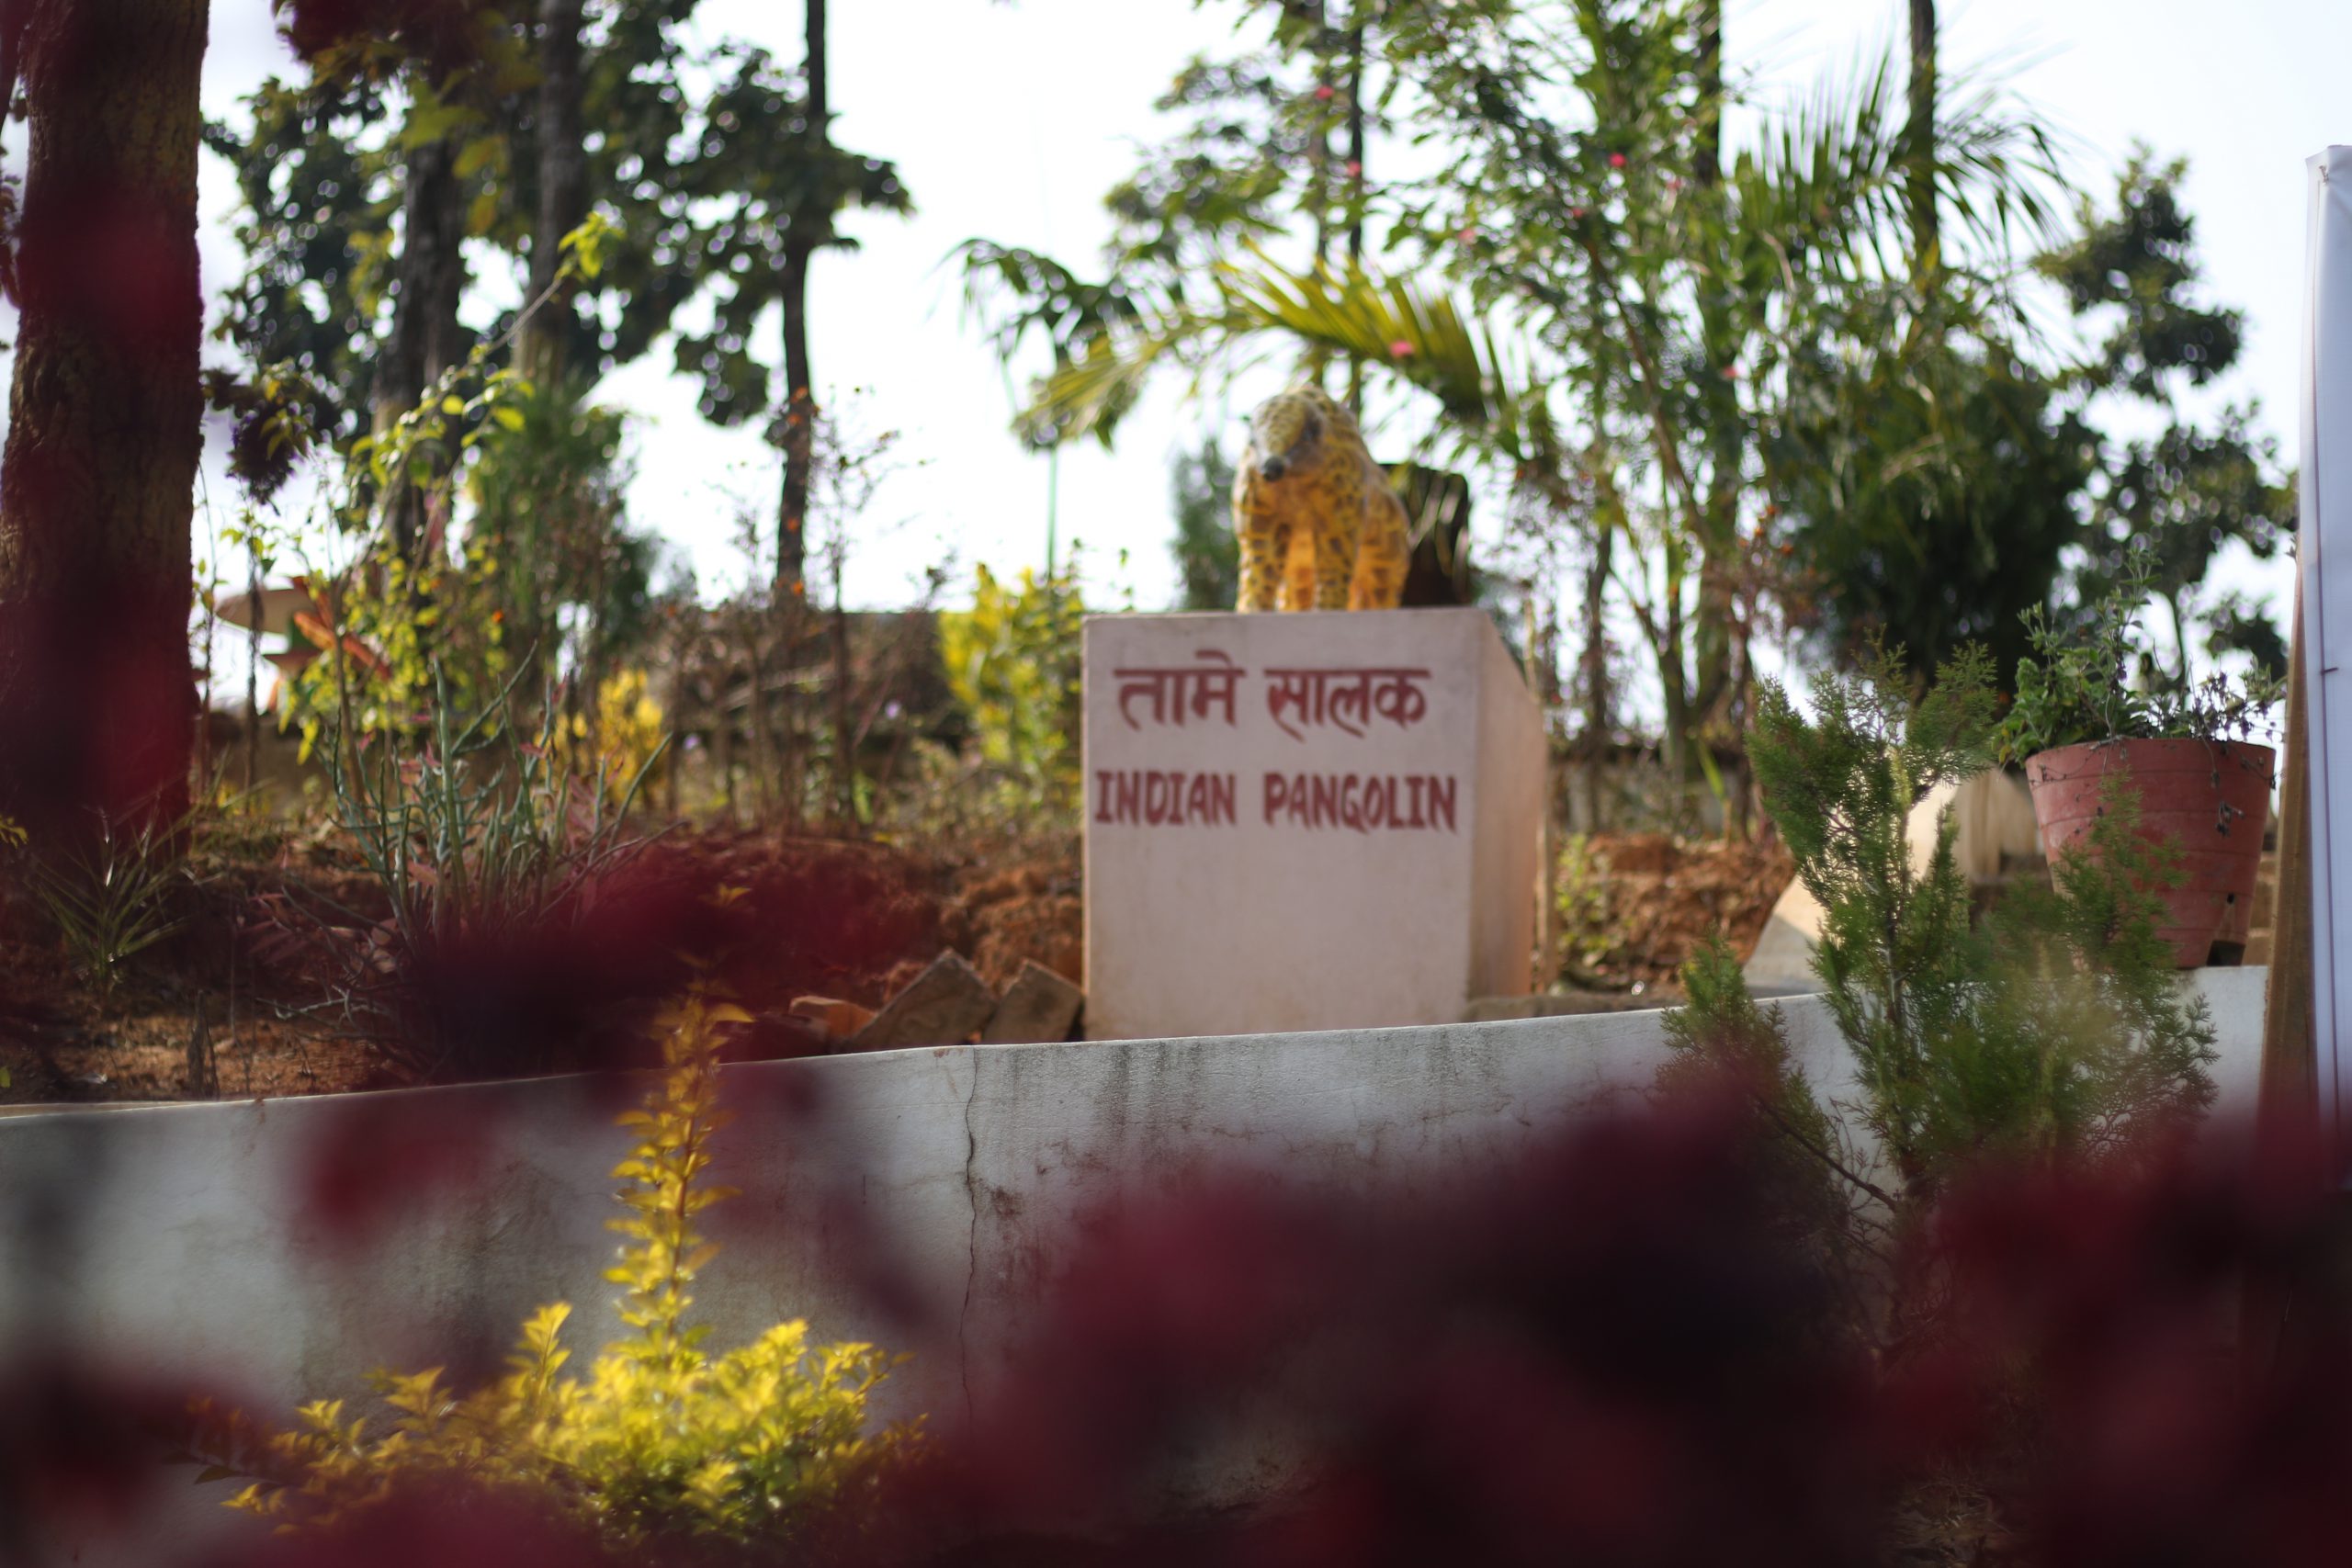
<point x="1013" y="661"/>
<point x="659" y="1438"/>
<point x="628" y="733"/>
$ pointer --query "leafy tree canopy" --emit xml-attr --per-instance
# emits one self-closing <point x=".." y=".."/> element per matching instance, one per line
<point x="754" y="174"/>
<point x="2141" y="260"/>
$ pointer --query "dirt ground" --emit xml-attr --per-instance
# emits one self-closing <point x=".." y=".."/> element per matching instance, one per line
<point x="1642" y="904"/>
<point x="775" y="918"/>
<point x="59" y="1044"/>
<point x="174" y="1025"/>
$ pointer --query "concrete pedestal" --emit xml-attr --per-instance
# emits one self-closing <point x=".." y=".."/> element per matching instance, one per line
<point x="1305" y="821"/>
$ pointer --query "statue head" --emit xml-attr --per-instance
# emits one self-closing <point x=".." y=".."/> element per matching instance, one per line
<point x="1287" y="432"/>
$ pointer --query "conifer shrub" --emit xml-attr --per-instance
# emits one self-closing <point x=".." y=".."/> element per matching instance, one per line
<point x="1805" y="1170"/>
<point x="2054" y="1028"/>
<point x="662" y="1441"/>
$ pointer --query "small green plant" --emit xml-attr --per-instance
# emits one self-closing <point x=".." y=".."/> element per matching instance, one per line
<point x="2093" y="683"/>
<point x="1013" y="661"/>
<point x="471" y="832"/>
<point x="662" y="1441"/>
<point x="110" y="896"/>
<point x="1580" y="898"/>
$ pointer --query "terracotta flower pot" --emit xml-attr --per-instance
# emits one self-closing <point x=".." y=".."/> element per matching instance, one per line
<point x="2213" y="797"/>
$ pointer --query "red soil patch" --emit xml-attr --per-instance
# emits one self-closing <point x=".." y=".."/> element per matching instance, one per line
<point x="1035" y="909"/>
<point x="773" y="917"/>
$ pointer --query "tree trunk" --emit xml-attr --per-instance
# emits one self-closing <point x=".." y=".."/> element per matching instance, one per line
<point x="1319" y="148"/>
<point x="563" y="188"/>
<point x="426" y="338"/>
<point x="799" y="382"/>
<point x="1716" y="640"/>
<point x="253" y="665"/>
<point x="799" y="436"/>
<point x="97" y="482"/>
<point x="1593" y="679"/>
<point x="759" y="732"/>
<point x="1708" y="163"/>
<point x="845" y="742"/>
<point x="1919" y="136"/>
<point x="1675" y="747"/>
<point x="1667" y="647"/>
<point x="1355" y="187"/>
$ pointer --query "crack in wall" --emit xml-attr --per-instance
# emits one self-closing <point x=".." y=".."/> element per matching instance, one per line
<point x="972" y="1242"/>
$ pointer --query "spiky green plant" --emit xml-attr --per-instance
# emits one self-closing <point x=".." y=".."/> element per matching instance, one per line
<point x="110" y="896"/>
<point x="2057" y="1027"/>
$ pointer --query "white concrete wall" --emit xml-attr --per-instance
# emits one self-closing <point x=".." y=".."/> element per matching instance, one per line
<point x="184" y="1238"/>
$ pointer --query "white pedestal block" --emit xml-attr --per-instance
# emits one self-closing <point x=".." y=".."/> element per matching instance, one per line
<point x="1303" y="822"/>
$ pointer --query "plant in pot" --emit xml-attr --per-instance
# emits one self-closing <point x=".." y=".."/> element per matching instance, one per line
<point x="2090" y="706"/>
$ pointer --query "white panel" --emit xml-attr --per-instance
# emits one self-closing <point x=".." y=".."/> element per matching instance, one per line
<point x="2325" y="557"/>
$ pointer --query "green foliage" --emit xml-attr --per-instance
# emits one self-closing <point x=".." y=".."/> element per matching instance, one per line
<point x="2089" y="682"/>
<point x="1720" y="1025"/>
<point x="573" y="580"/>
<point x="1207" y="551"/>
<point x="407" y="620"/>
<point x="1252" y="159"/>
<point x="1012" y="660"/>
<point x="2140" y="261"/>
<point x="109" y="894"/>
<point x="763" y="177"/>
<point x="1017" y="293"/>
<point x="1929" y="480"/>
<point x="1643" y="330"/>
<point x="2190" y="492"/>
<point x="395" y="633"/>
<point x="1242" y="164"/>
<point x="2177" y="502"/>
<point x="279" y="414"/>
<point x="2057" y="1027"/>
<point x="662" y="1439"/>
<point x="319" y="196"/>
<point x="1580" y="895"/>
<point x="323" y="177"/>
<point x="2084" y="1040"/>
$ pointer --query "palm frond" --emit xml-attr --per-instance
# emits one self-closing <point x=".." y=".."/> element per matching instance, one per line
<point x="1088" y="395"/>
<point x="1420" y="336"/>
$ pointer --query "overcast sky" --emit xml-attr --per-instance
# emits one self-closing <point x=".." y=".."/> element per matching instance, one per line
<point x="1010" y="120"/>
